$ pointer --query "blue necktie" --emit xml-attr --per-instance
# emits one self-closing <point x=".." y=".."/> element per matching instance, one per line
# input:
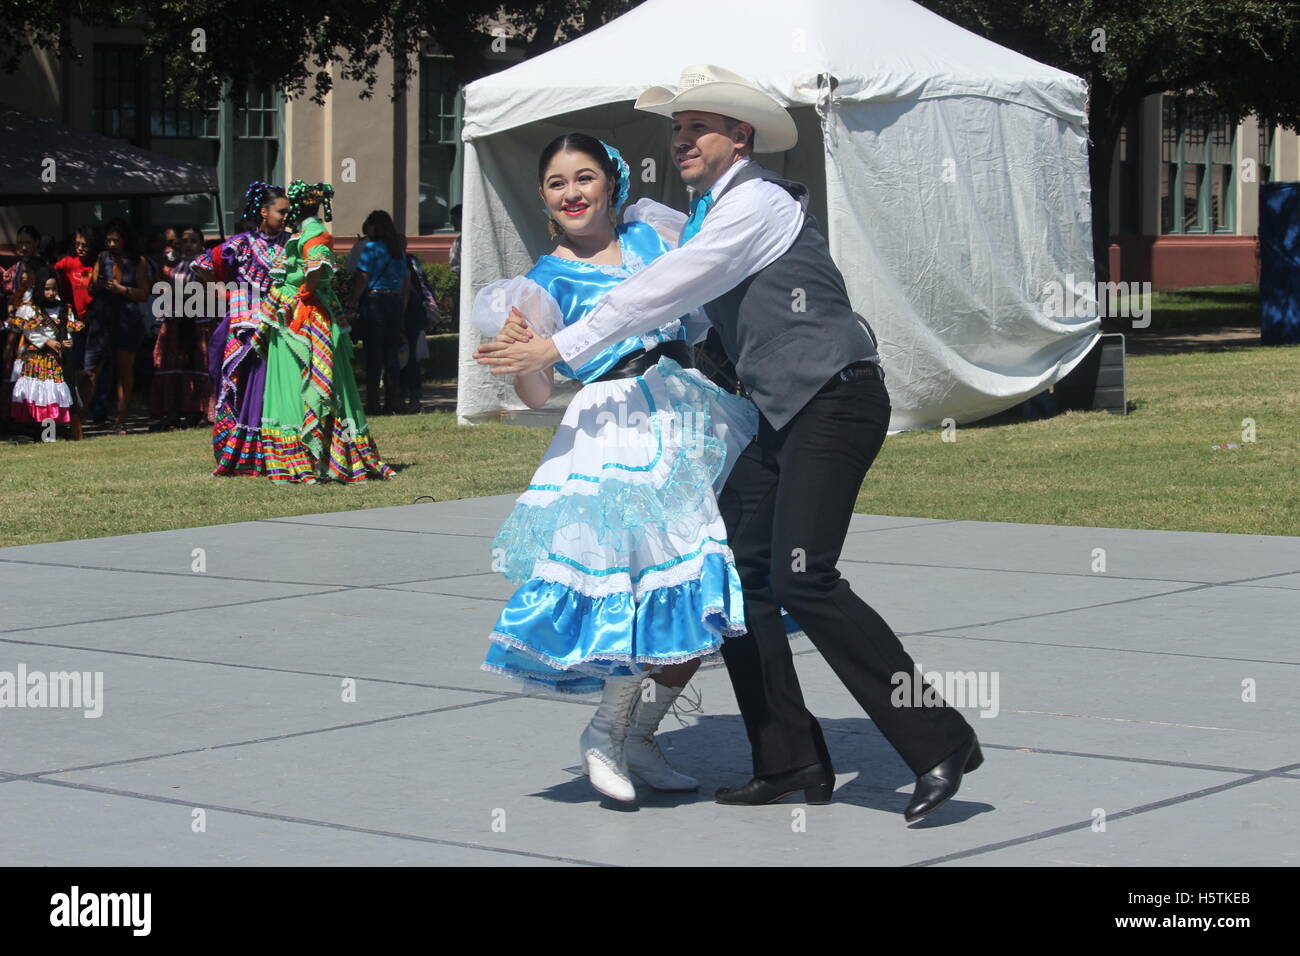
<point x="699" y="209"/>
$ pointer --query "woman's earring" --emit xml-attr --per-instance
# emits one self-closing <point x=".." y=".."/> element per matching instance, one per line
<point x="552" y="226"/>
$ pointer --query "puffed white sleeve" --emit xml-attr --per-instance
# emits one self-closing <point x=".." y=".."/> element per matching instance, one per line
<point x="494" y="301"/>
<point x="668" y="222"/>
<point x="665" y="220"/>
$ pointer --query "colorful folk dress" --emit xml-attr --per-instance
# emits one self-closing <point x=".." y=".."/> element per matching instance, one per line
<point x="313" y="423"/>
<point x="40" y="392"/>
<point x="235" y="367"/>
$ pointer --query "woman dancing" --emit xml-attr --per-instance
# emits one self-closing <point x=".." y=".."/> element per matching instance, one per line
<point x="313" y="424"/>
<point x="617" y="543"/>
<point x="238" y="375"/>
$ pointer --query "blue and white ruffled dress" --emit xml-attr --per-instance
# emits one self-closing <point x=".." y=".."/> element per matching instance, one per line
<point x="617" y="544"/>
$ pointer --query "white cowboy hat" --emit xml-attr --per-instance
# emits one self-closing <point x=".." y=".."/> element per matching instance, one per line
<point x="711" y="89"/>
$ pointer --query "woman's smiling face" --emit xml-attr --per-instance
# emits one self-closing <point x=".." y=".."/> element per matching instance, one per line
<point x="577" y="192"/>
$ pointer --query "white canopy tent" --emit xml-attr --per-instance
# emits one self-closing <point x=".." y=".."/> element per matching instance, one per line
<point x="949" y="174"/>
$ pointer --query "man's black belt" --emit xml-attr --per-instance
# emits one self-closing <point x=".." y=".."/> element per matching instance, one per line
<point x="638" y="363"/>
<point x="854" y="371"/>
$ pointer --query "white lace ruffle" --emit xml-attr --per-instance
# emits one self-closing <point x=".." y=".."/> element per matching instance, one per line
<point x="539" y="688"/>
<point x="494" y="301"/>
<point x="603" y="585"/>
<point x="507" y="640"/>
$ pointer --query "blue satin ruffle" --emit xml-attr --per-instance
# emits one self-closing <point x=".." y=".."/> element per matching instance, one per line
<point x="561" y="640"/>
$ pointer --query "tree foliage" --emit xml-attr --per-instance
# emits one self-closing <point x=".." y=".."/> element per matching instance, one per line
<point x="1236" y="56"/>
<point x="300" y="46"/>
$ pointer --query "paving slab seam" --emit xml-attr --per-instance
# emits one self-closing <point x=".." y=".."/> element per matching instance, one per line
<point x="180" y="610"/>
<point x="1089" y="527"/>
<point x="1066" y="574"/>
<point x="895" y="527"/>
<point x="1110" y="817"/>
<point x="232" y="578"/>
<point x="1088" y="647"/>
<point x="452" y="594"/>
<point x="327" y="589"/>
<point x="259" y="740"/>
<point x="357" y="527"/>
<point x="179" y="574"/>
<point x="1117" y="758"/>
<point x="1194" y="586"/>
<point x="1114" y="758"/>
<point x="1239" y="582"/>
<point x="1258" y="577"/>
<point x="501" y="695"/>
<point x="1072" y="610"/>
<point x="443" y="577"/>
<point x="512" y="695"/>
<point x="327" y="824"/>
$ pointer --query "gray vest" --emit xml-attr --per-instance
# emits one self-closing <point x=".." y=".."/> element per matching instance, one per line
<point x="789" y="327"/>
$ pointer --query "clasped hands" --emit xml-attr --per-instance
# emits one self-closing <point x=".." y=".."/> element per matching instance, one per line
<point x="516" y="350"/>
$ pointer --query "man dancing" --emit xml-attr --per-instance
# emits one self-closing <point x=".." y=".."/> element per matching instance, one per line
<point x="753" y="257"/>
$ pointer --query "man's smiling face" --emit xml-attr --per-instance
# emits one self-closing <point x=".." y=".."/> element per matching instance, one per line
<point x="704" y="148"/>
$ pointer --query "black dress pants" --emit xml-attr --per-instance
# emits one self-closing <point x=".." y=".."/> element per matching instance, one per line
<point x="787" y="505"/>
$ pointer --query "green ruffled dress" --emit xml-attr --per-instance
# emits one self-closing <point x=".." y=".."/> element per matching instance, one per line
<point x="313" y="423"/>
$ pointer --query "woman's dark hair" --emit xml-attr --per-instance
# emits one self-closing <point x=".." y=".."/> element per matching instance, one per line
<point x="157" y="235"/>
<point x="245" y="225"/>
<point x="90" y="233"/>
<point x="305" y="200"/>
<point x="32" y="232"/>
<point x="39" y="278"/>
<point x="180" y="234"/>
<point x="130" y="243"/>
<point x="380" y="227"/>
<point x="256" y="196"/>
<point x="577" y="143"/>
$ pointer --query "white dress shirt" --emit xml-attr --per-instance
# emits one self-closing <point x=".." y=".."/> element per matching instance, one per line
<point x="746" y="230"/>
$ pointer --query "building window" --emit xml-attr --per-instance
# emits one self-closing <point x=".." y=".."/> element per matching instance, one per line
<point x="191" y="135"/>
<point x="252" y="149"/>
<point x="441" y="109"/>
<point x="1265" y="152"/>
<point x="1129" y="201"/>
<point x="1197" y="169"/>
<point x="117" y="94"/>
<point x="239" y="139"/>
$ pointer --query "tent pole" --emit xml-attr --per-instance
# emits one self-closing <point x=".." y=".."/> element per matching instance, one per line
<point x="221" y="216"/>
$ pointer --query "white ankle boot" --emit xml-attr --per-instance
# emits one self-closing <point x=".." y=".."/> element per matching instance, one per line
<point x="644" y="758"/>
<point x="602" y="742"/>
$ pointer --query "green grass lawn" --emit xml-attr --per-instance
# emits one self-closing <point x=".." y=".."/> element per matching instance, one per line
<point x="150" y="482"/>
<point x="1153" y="468"/>
<point x="1193" y="310"/>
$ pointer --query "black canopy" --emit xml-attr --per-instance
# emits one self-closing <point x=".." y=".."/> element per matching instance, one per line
<point x="86" y="166"/>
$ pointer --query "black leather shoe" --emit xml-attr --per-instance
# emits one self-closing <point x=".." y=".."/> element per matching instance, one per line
<point x="939" y="784"/>
<point x="816" y="781"/>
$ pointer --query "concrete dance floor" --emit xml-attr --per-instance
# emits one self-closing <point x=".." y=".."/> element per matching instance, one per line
<point x="307" y="691"/>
